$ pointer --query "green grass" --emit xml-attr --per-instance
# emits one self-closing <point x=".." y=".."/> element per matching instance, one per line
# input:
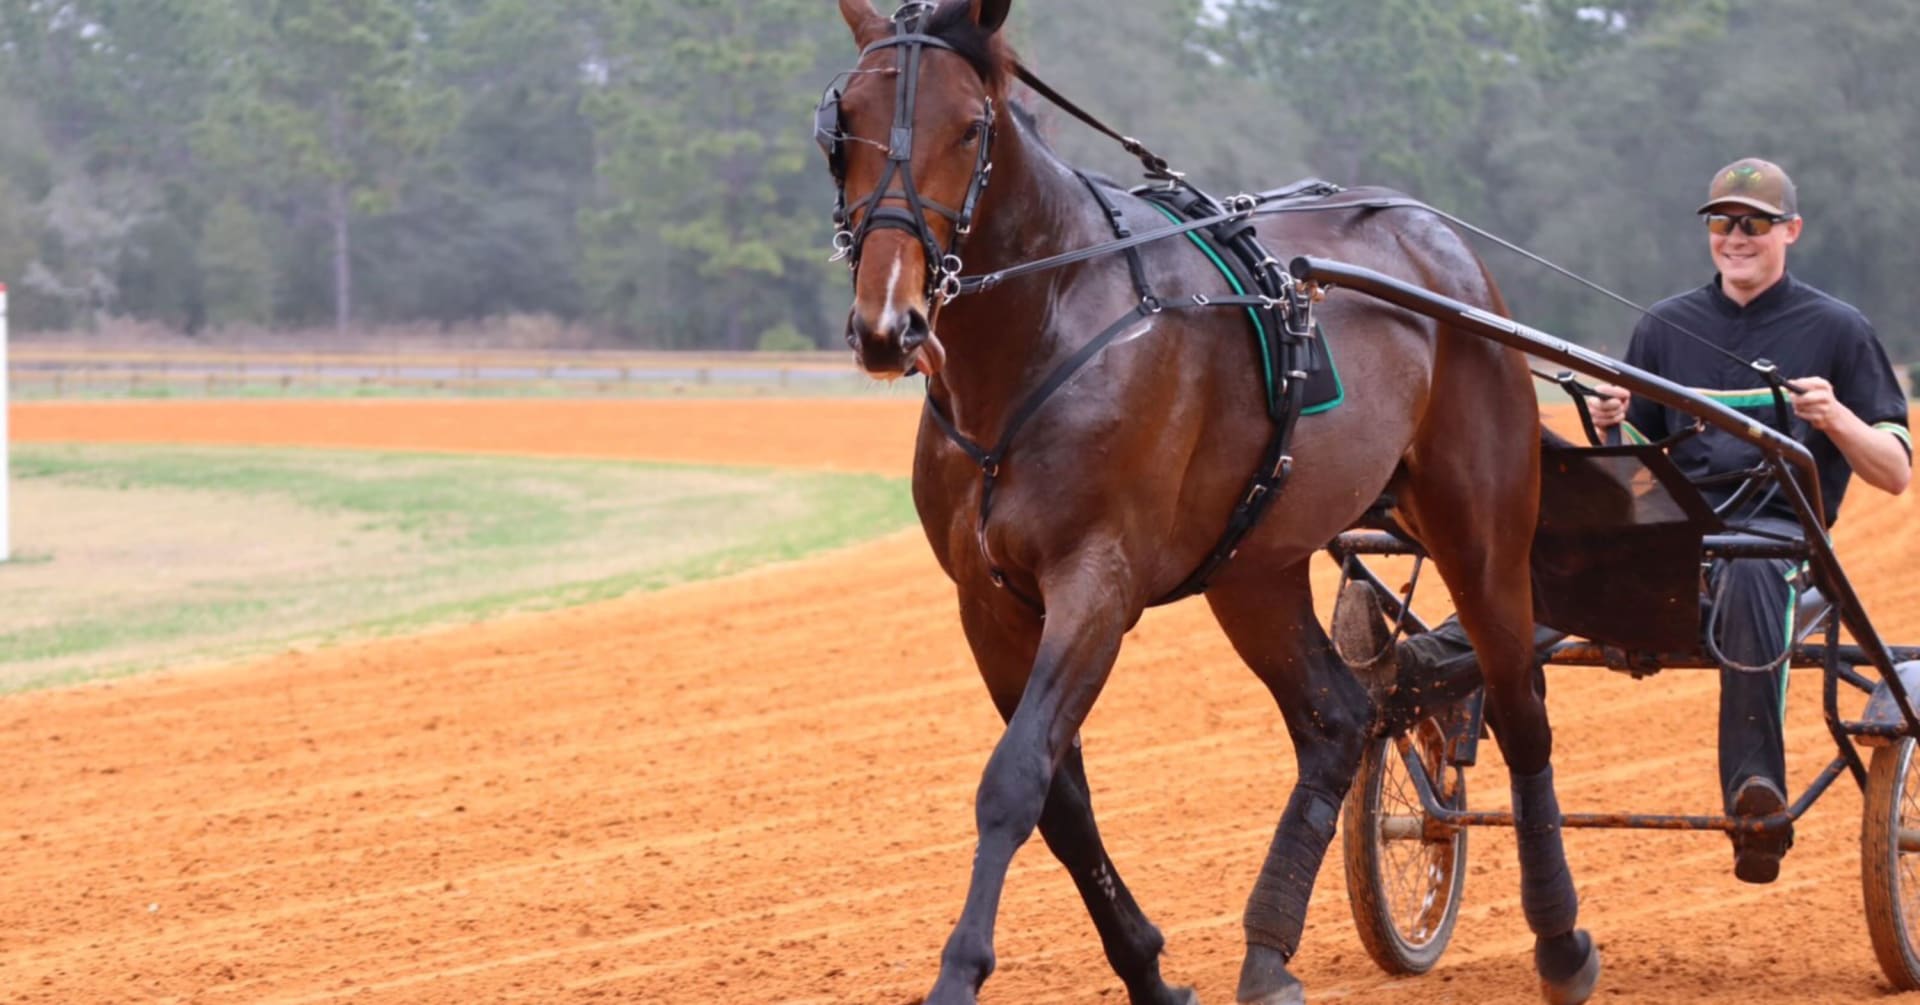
<point x="268" y="548"/>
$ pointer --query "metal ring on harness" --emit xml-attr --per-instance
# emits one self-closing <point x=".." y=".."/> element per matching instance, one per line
<point x="949" y="287"/>
<point x="842" y="246"/>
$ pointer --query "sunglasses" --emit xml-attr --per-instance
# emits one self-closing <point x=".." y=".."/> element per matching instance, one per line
<point x="1751" y="225"/>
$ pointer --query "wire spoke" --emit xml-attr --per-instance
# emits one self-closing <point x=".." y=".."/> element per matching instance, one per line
<point x="1416" y="874"/>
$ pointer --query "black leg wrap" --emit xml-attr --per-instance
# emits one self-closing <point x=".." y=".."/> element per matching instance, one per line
<point x="1560" y="960"/>
<point x="1546" y="887"/>
<point x="1277" y="910"/>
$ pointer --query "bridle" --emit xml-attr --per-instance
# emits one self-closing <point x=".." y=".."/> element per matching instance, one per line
<point x="855" y="223"/>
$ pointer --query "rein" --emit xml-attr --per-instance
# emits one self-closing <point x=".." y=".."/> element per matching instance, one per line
<point x="1244" y="206"/>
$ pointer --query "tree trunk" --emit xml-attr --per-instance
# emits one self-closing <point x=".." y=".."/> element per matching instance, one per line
<point x="734" y="329"/>
<point x="339" y="209"/>
<point x="342" y="245"/>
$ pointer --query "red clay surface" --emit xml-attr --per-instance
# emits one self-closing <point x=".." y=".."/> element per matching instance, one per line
<point x="844" y="435"/>
<point x="760" y="790"/>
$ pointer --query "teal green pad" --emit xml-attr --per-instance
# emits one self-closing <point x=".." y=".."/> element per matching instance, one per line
<point x="1260" y="330"/>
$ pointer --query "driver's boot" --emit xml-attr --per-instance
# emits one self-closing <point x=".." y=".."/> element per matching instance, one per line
<point x="1419" y="675"/>
<point x="1364" y="640"/>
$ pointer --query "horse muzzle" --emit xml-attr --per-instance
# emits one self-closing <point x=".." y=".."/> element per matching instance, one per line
<point x="901" y="342"/>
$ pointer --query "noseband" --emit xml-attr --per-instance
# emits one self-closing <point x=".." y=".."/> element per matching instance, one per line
<point x="876" y="212"/>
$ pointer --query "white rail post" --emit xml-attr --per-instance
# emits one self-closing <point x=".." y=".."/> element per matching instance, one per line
<point x="6" y="442"/>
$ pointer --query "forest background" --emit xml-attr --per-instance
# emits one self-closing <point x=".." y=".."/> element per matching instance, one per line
<point x="644" y="170"/>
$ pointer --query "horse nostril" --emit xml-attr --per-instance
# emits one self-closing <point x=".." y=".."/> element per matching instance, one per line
<point x="858" y="330"/>
<point x="916" y="334"/>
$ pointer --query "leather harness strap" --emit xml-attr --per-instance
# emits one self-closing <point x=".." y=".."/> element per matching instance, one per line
<point x="1288" y="305"/>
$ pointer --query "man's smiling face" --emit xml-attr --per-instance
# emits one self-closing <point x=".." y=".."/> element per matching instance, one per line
<point x="1750" y="264"/>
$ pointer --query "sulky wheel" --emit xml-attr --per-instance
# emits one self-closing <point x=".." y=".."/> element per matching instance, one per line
<point x="1890" y="862"/>
<point x="1405" y="873"/>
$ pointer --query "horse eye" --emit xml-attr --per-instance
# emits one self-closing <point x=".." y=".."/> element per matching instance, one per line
<point x="974" y="132"/>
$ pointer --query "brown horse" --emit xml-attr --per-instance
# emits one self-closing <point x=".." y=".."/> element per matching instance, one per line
<point x="1119" y="486"/>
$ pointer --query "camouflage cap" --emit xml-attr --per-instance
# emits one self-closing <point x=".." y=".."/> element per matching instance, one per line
<point x="1754" y="183"/>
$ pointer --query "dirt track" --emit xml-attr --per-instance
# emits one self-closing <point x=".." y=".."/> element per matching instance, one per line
<point x="760" y="790"/>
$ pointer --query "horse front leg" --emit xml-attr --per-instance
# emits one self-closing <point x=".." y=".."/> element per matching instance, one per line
<point x="1076" y="651"/>
<point x="1132" y="943"/>
<point x="1004" y="643"/>
<point x="1273" y="627"/>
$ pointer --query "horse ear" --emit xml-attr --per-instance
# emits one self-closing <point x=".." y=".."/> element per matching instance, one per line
<point x="991" y="14"/>
<point x="866" y="23"/>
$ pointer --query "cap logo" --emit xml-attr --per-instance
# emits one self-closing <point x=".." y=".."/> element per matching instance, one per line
<point x="1743" y="177"/>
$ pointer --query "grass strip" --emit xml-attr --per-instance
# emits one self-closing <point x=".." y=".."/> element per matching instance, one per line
<point x="256" y="549"/>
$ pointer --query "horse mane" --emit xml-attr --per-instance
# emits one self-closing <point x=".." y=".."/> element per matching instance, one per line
<point x="986" y="51"/>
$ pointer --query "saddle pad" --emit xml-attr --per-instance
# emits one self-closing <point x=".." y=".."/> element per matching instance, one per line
<point x="1324" y="389"/>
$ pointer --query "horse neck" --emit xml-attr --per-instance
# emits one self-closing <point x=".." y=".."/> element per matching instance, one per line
<point x="1035" y="207"/>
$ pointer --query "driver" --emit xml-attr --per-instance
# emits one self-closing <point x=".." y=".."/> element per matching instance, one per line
<point x="1847" y="409"/>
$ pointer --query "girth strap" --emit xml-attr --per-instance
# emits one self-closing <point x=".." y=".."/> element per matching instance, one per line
<point x="1276" y="466"/>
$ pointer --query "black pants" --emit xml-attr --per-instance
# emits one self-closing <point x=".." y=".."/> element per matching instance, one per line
<point x="1750" y="603"/>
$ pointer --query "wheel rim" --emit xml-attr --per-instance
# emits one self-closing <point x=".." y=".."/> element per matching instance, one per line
<point x="1417" y="870"/>
<point x="1904" y="846"/>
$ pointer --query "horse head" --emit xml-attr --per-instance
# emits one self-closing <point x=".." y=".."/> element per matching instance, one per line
<point x="908" y="135"/>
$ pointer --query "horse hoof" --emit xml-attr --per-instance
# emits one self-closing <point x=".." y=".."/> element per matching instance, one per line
<point x="1292" y="994"/>
<point x="1164" y="994"/>
<point x="1265" y="979"/>
<point x="1577" y="987"/>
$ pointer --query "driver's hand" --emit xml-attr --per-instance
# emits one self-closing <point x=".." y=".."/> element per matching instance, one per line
<point x="1610" y="409"/>
<point x="1813" y="401"/>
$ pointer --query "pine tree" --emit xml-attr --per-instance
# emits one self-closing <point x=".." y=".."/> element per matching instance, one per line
<point x="326" y="103"/>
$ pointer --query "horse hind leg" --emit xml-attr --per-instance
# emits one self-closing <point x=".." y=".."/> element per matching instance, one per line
<point x="1472" y="495"/>
<point x="1327" y="712"/>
